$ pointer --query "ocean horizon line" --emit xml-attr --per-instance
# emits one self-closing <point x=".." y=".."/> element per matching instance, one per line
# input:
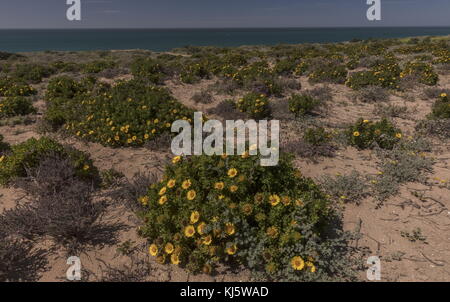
<point x="229" y="28"/>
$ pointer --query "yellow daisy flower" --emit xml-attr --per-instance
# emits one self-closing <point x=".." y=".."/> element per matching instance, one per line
<point x="233" y="189"/>
<point x="169" y="248"/>
<point x="189" y="231"/>
<point x="171" y="183"/>
<point x="153" y="250"/>
<point x="231" y="250"/>
<point x="191" y="195"/>
<point x="232" y="172"/>
<point x="186" y="184"/>
<point x="219" y="186"/>
<point x="175" y="259"/>
<point x="230" y="229"/>
<point x="162" y="200"/>
<point x="297" y="263"/>
<point x="162" y="191"/>
<point x="195" y="217"/>
<point x="274" y="200"/>
<point x="207" y="240"/>
<point x="201" y="228"/>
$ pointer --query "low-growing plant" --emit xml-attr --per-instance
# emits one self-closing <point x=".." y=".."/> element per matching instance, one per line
<point x="398" y="166"/>
<point x="19" y="260"/>
<point x="372" y="94"/>
<point x="328" y="72"/>
<point x="212" y="210"/>
<point x="203" y="97"/>
<point x="391" y="110"/>
<point x="29" y="154"/>
<point x="386" y="75"/>
<point x="368" y="134"/>
<point x="13" y="106"/>
<point x="148" y="69"/>
<point x="61" y="206"/>
<point x="255" y="105"/>
<point x="14" y="87"/>
<point x="346" y="188"/>
<point x="441" y="108"/>
<point x="423" y="71"/>
<point x="438" y="127"/>
<point x="323" y="94"/>
<point x="301" y="105"/>
<point x="97" y="66"/>
<point x="129" y="114"/>
<point x="4" y="147"/>
<point x="32" y="73"/>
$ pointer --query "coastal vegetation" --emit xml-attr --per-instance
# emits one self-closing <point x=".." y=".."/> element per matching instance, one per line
<point x="364" y="128"/>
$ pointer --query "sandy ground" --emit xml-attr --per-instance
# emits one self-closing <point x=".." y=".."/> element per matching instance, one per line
<point x="380" y="226"/>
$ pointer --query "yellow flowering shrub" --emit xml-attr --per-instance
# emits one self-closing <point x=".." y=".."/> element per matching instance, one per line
<point x="130" y="113"/>
<point x="441" y="108"/>
<point x="366" y="134"/>
<point x="385" y="74"/>
<point x="212" y="210"/>
<point x="255" y="105"/>
<point x="17" y="105"/>
<point x="15" y="87"/>
<point x="423" y="71"/>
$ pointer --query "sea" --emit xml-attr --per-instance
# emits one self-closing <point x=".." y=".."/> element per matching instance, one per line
<point x="30" y="40"/>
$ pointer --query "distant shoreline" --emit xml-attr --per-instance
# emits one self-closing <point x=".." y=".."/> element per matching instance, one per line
<point x="162" y="40"/>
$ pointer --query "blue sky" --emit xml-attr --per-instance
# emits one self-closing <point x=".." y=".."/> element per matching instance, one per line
<point x="221" y="13"/>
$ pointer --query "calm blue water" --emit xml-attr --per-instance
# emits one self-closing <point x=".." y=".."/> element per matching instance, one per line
<point x="166" y="39"/>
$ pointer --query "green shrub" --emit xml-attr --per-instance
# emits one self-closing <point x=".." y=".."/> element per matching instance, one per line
<point x="317" y="136"/>
<point x="302" y="104"/>
<point x="18" y="105"/>
<point x="328" y="72"/>
<point x="423" y="71"/>
<point x="29" y="154"/>
<point x="61" y="66"/>
<point x="441" y="108"/>
<point x="301" y="68"/>
<point x="255" y="105"/>
<point x="208" y="211"/>
<point x="129" y="114"/>
<point x="32" y="73"/>
<point x="148" y="69"/>
<point x="386" y="75"/>
<point x="97" y="66"/>
<point x="193" y="73"/>
<point x="285" y="66"/>
<point x="64" y="99"/>
<point x="365" y="134"/>
<point x="4" y="147"/>
<point x="15" y="87"/>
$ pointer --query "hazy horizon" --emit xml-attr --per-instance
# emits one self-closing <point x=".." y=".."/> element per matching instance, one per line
<point x="212" y="14"/>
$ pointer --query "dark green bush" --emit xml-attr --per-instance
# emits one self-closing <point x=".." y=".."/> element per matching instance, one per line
<point x="29" y="154"/>
<point x="17" y="105"/>
<point x="149" y="69"/>
<point x="441" y="108"/>
<point x="32" y="73"/>
<point x="255" y="105"/>
<point x="302" y="104"/>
